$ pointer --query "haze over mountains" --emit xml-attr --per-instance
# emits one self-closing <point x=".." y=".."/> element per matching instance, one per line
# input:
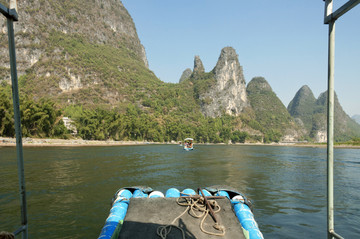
<point x="356" y="118"/>
<point x="77" y="55"/>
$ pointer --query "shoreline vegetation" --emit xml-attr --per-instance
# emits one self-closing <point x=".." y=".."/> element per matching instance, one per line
<point x="38" y="142"/>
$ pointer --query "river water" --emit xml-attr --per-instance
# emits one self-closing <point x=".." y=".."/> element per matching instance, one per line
<point x="69" y="189"/>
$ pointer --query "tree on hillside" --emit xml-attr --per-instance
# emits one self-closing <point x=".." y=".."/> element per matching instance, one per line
<point x="6" y="116"/>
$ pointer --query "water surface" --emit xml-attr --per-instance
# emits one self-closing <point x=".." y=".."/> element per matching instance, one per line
<point x="69" y="189"/>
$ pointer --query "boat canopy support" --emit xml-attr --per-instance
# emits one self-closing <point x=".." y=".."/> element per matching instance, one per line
<point x="11" y="15"/>
<point x="330" y="18"/>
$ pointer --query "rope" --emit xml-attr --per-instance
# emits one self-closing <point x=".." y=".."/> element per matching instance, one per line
<point x="194" y="206"/>
<point x="163" y="231"/>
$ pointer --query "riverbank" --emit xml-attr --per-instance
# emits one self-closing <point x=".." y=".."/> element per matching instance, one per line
<point x="34" y="142"/>
<point x="67" y="142"/>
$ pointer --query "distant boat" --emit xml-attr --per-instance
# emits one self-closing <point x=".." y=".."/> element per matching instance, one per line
<point x="188" y="144"/>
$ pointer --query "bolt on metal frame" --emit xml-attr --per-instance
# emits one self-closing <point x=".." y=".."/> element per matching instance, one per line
<point x="330" y="18"/>
<point x="11" y="15"/>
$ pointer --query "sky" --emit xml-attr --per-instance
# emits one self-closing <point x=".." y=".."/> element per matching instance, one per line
<point x="284" y="41"/>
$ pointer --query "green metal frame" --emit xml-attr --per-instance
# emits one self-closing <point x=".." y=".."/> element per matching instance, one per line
<point x="330" y="18"/>
<point x="11" y="15"/>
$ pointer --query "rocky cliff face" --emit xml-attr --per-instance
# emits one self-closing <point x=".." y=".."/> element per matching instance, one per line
<point x="226" y="92"/>
<point x="77" y="52"/>
<point x="99" y="21"/>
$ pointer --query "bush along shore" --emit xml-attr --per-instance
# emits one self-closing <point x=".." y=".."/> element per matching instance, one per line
<point x="39" y="142"/>
<point x="67" y="142"/>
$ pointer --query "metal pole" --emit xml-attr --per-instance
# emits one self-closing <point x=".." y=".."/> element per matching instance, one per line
<point x="330" y="129"/>
<point x="330" y="122"/>
<point x="19" y="147"/>
<point x="330" y="19"/>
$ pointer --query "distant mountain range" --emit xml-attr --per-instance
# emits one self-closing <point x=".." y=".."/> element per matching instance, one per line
<point x="312" y="114"/>
<point x="92" y="60"/>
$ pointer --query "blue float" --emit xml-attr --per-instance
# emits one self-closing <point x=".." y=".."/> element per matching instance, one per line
<point x="118" y="211"/>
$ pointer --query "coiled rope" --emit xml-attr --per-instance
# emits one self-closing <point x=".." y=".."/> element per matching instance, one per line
<point x="198" y="209"/>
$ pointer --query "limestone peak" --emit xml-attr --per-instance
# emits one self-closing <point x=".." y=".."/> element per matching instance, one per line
<point x="227" y="93"/>
<point x="198" y="65"/>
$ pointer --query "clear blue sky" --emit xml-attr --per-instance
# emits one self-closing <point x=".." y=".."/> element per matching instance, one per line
<point x="284" y="41"/>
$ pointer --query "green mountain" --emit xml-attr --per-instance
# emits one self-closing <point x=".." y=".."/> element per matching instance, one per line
<point x="83" y="59"/>
<point x="78" y="52"/>
<point x="270" y="112"/>
<point x="345" y="128"/>
<point x="86" y="58"/>
<point x="302" y="107"/>
<point x="313" y="114"/>
<point x="223" y="91"/>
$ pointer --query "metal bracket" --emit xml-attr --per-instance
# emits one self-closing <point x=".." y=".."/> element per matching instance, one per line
<point x="9" y="13"/>
<point x="341" y="11"/>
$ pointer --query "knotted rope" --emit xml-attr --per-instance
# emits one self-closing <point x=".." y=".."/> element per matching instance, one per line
<point x="197" y="207"/>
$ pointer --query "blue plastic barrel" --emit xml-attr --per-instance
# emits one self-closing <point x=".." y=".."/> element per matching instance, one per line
<point x="255" y="233"/>
<point x="206" y="193"/>
<point x="246" y="218"/>
<point x="222" y="193"/>
<point x="117" y="214"/>
<point x="125" y="194"/>
<point x="187" y="192"/>
<point x="172" y="193"/>
<point x="108" y="230"/>
<point x="139" y="194"/>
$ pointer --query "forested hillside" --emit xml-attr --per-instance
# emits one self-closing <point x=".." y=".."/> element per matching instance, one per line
<point x="88" y="65"/>
<point x="312" y="114"/>
<point x="272" y="117"/>
<point x="302" y="107"/>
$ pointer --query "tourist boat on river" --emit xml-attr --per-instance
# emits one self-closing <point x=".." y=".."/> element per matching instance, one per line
<point x="188" y="144"/>
<point x="141" y="212"/>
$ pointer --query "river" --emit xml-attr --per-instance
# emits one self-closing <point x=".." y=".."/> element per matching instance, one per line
<point x="69" y="189"/>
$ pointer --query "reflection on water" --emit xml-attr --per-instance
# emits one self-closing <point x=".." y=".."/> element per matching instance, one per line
<point x="69" y="189"/>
